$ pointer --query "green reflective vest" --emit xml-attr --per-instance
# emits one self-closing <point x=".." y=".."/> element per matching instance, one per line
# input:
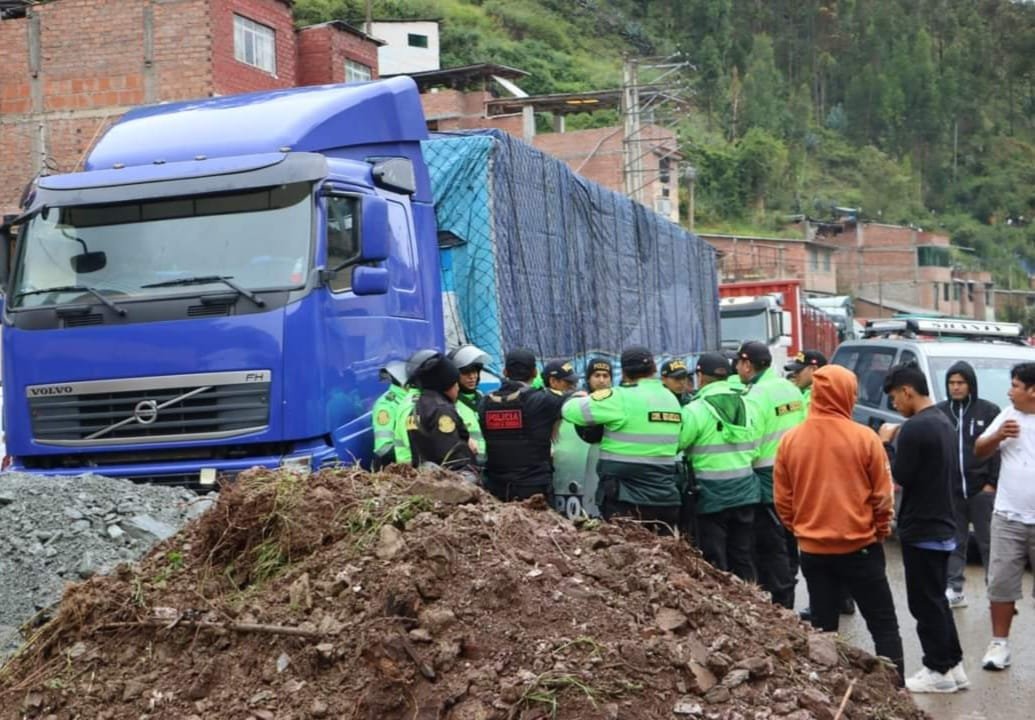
<point x="806" y="398"/>
<point x="470" y="418"/>
<point x="779" y="408"/>
<point x="641" y="439"/>
<point x="383" y="415"/>
<point x="401" y="435"/>
<point x="720" y="439"/>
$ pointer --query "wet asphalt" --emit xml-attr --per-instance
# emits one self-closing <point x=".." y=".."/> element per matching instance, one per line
<point x="1006" y="695"/>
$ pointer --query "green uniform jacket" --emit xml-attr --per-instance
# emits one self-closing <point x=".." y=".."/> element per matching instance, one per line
<point x="384" y="414"/>
<point x="470" y="418"/>
<point x="470" y="400"/>
<point x="401" y="435"/>
<point x="806" y="398"/>
<point x="778" y="407"/>
<point x="641" y="438"/>
<point x="719" y="438"/>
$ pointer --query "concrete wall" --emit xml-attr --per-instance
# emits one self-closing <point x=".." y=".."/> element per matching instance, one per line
<point x="397" y="57"/>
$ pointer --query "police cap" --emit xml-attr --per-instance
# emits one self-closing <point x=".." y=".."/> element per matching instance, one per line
<point x="674" y="368"/>
<point x="560" y="370"/>
<point x="808" y="358"/>
<point x="637" y="359"/>
<point x="713" y="365"/>
<point x="756" y="353"/>
<point x="520" y="362"/>
<point x="436" y="373"/>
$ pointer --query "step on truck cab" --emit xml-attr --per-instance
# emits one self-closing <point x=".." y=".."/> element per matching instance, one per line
<point x="221" y="285"/>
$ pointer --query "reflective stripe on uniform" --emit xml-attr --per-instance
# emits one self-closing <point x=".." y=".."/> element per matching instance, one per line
<point x="585" y="410"/>
<point x="641" y="459"/>
<point x="641" y="438"/>
<point x="723" y="448"/>
<point x="384" y="435"/>
<point x="722" y="474"/>
<point x="764" y="463"/>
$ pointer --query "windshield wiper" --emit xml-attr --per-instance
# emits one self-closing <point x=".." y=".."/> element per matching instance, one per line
<point x="77" y="288"/>
<point x="205" y="279"/>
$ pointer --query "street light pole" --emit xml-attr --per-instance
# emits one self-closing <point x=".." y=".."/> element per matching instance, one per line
<point x="691" y="177"/>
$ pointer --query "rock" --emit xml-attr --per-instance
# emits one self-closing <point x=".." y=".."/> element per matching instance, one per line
<point x="471" y="710"/>
<point x="86" y="568"/>
<point x="33" y="701"/>
<point x="817" y="703"/>
<point x="718" y="694"/>
<point x="300" y="594"/>
<point x="146" y="528"/>
<point x="264" y="714"/>
<point x="132" y="690"/>
<point x="759" y="667"/>
<point x="283" y="660"/>
<point x="318" y="709"/>
<point x="670" y="620"/>
<point x="77" y="650"/>
<point x="445" y="491"/>
<point x="823" y="649"/>
<point x="6" y="498"/>
<point x="736" y="677"/>
<point x="115" y="532"/>
<point x="73" y="514"/>
<point x="687" y="706"/>
<point x="704" y="677"/>
<point x="436" y="619"/>
<point x="200" y="688"/>
<point x="420" y="635"/>
<point x="80" y="526"/>
<point x="390" y="543"/>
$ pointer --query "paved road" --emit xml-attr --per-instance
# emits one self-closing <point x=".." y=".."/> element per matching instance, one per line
<point x="1004" y="695"/>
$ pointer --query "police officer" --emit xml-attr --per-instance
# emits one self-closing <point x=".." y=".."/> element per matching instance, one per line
<point x="641" y="421"/>
<point x="518" y="421"/>
<point x="599" y="374"/>
<point x="801" y="369"/>
<point x="676" y="377"/>
<point x="575" y="479"/>
<point x="778" y="407"/>
<point x="470" y="361"/>
<point x="719" y="439"/>
<point x="437" y="434"/>
<point x="401" y="433"/>
<point x="560" y="377"/>
<point x="386" y="411"/>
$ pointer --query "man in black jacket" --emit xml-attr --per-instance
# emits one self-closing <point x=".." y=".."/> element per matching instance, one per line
<point x="923" y="462"/>
<point x="436" y="433"/>
<point x="517" y="422"/>
<point x="974" y="485"/>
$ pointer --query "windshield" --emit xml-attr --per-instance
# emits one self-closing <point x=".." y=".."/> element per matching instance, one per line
<point x="259" y="238"/>
<point x="993" y="375"/>
<point x="739" y="327"/>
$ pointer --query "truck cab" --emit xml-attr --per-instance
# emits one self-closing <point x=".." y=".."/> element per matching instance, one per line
<point x="758" y="318"/>
<point x="220" y="287"/>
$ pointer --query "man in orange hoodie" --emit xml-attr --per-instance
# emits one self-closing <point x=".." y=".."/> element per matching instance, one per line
<point x="832" y="488"/>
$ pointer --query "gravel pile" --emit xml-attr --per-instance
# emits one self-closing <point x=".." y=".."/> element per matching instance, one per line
<point x="55" y="530"/>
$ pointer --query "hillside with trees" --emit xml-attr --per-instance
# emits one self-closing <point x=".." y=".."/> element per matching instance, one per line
<point x="913" y="111"/>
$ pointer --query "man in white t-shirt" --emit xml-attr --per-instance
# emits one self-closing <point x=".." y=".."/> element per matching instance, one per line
<point x="1012" y="433"/>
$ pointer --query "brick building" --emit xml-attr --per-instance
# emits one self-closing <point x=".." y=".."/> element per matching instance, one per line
<point x="896" y="265"/>
<point x="747" y="257"/>
<point x="69" y="68"/>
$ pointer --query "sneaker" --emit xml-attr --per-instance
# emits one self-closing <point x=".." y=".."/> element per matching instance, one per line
<point x="997" y="657"/>
<point x="956" y="598"/>
<point x="929" y="681"/>
<point x="959" y="676"/>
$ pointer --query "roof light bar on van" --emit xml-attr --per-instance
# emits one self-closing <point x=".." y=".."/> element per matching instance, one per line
<point x="976" y="328"/>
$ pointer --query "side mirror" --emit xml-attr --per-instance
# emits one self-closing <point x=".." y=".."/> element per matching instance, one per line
<point x="367" y="280"/>
<point x="88" y="262"/>
<point x="373" y="229"/>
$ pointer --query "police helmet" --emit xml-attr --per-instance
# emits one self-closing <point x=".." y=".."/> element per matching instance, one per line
<point x="469" y="357"/>
<point x="394" y="372"/>
<point x="416" y="361"/>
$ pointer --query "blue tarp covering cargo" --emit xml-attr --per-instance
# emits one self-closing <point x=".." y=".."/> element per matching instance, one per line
<point x="537" y="256"/>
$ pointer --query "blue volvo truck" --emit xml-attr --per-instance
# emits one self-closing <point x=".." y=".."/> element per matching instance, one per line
<point x="220" y="286"/>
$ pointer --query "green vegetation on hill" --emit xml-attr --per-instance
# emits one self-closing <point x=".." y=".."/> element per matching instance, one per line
<point x="914" y="111"/>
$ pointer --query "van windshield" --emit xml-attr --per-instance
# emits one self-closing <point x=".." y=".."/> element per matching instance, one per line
<point x="993" y="375"/>
<point x="259" y="238"/>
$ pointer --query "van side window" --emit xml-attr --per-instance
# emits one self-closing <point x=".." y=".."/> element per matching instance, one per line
<point x="342" y="239"/>
<point x="872" y="367"/>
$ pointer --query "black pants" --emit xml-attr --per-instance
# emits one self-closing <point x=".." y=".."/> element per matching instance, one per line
<point x="513" y="492"/>
<point x="863" y="573"/>
<point x="728" y="540"/>
<point x="976" y="509"/>
<point x="926" y="575"/>
<point x="659" y="519"/>
<point x="771" y="564"/>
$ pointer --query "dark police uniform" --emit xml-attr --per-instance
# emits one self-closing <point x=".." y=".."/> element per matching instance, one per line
<point x="437" y="434"/>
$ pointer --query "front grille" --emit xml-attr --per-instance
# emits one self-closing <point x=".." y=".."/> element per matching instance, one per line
<point x="216" y="405"/>
<point x="208" y="310"/>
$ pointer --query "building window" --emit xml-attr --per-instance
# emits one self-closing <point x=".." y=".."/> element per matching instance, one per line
<point x="932" y="256"/>
<point x="356" y="72"/>
<point x="826" y="260"/>
<point x="417" y="40"/>
<point x="255" y="44"/>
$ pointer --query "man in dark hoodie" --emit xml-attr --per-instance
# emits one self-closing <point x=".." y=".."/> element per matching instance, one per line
<point x="974" y="486"/>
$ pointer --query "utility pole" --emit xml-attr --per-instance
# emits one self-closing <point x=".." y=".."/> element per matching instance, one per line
<point x="632" y="161"/>
<point x="370" y="17"/>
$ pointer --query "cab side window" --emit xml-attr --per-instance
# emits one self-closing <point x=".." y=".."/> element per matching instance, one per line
<point x="342" y="239"/>
<point x="872" y="368"/>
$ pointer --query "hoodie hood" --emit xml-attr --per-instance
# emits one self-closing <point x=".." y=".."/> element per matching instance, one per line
<point x="834" y="391"/>
<point x="967" y="371"/>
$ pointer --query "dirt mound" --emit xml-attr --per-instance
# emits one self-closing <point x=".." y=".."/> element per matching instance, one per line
<point x="400" y="595"/>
